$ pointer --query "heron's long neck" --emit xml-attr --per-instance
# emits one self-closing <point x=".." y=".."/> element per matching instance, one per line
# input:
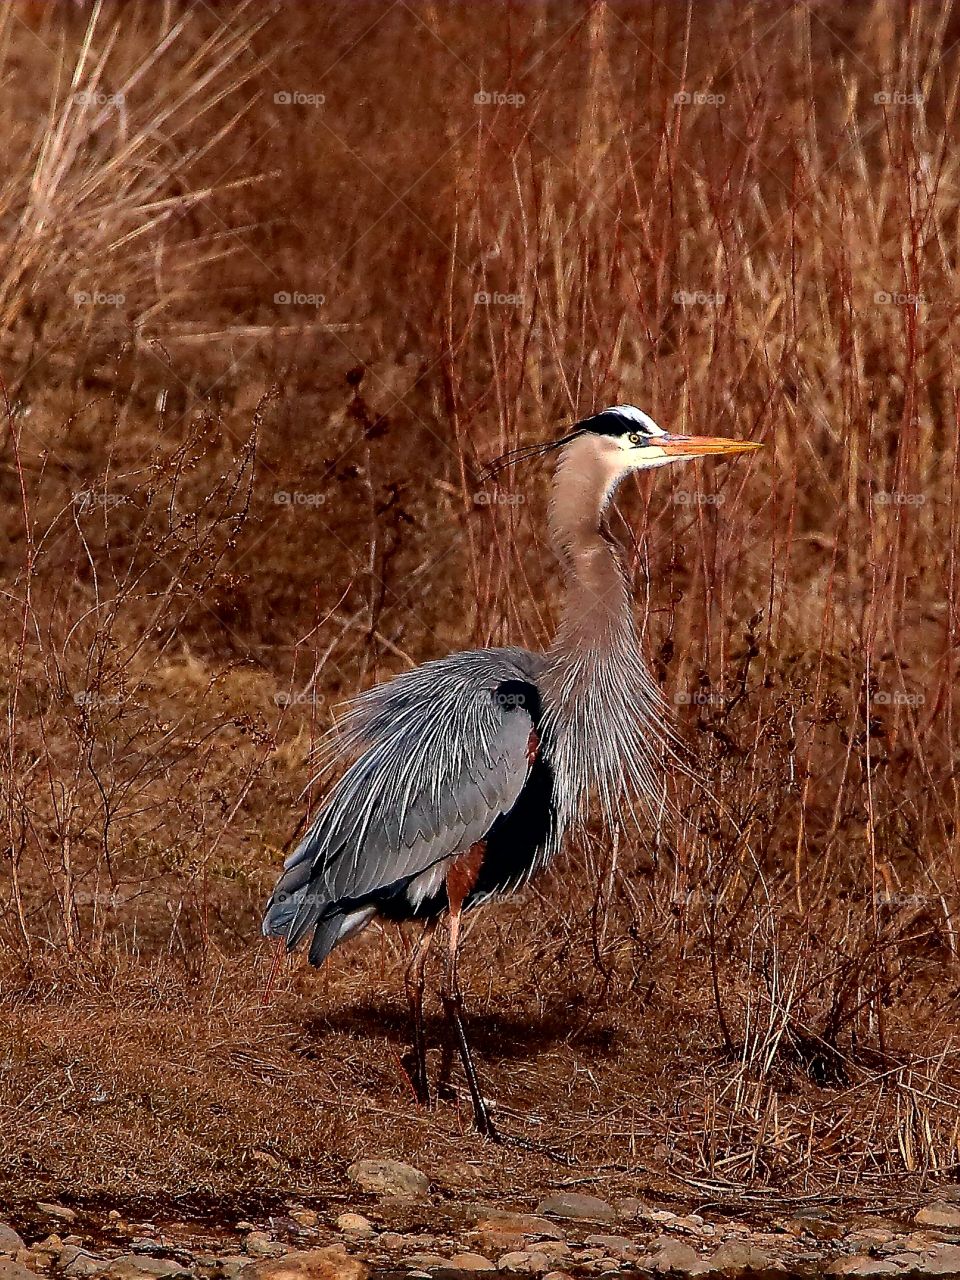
<point x="597" y="613"/>
<point x="604" y="712"/>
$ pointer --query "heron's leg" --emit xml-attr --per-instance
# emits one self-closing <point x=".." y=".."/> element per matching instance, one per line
<point x="460" y="879"/>
<point x="414" y="983"/>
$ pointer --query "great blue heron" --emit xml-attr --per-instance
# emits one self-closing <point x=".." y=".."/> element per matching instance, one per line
<point x="467" y="771"/>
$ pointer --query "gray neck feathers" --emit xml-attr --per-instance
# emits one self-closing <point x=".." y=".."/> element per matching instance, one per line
<point x="605" y="718"/>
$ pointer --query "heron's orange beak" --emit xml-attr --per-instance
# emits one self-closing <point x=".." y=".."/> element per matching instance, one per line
<point x="700" y="446"/>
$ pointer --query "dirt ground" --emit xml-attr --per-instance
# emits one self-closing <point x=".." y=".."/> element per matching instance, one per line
<point x="275" y="285"/>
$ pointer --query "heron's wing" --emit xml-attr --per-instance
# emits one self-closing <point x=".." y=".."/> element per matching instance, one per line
<point x="442" y="753"/>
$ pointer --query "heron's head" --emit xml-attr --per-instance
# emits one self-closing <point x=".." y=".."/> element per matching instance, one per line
<point x="614" y="442"/>
<point x="628" y="439"/>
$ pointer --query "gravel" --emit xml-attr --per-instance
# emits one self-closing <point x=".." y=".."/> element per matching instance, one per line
<point x="569" y="1236"/>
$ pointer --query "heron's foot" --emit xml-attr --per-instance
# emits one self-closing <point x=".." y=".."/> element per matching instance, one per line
<point x="416" y="1072"/>
<point x="483" y="1121"/>
<point x="484" y="1125"/>
<point x="447" y="1092"/>
<point x="539" y="1148"/>
<point x="422" y="1090"/>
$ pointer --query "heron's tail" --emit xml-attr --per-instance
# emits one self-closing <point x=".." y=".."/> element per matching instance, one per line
<point x="287" y="902"/>
<point x="297" y="905"/>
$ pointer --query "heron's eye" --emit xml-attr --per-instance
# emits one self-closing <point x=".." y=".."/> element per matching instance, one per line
<point x="636" y="438"/>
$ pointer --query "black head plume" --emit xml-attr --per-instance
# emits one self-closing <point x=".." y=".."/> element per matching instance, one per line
<point x="536" y="450"/>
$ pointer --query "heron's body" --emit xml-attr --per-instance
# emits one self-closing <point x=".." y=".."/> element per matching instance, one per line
<point x="465" y="773"/>
<point x="500" y="798"/>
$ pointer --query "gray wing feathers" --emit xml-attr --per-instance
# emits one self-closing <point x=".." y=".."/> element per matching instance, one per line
<point x="438" y="759"/>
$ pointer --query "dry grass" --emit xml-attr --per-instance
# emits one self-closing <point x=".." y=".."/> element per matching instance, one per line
<point x="225" y="512"/>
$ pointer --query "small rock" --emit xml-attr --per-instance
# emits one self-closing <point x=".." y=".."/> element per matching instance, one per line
<point x="308" y="1264"/>
<point x="57" y="1211"/>
<point x="945" y="1261"/>
<point x="915" y="1242"/>
<point x="517" y="1226"/>
<point x="389" y="1178"/>
<point x="421" y="1243"/>
<point x="939" y="1214"/>
<point x="816" y="1225"/>
<point x="618" y="1246"/>
<point x="134" y="1266"/>
<point x="554" y="1248"/>
<point x="558" y="1275"/>
<point x="10" y="1241"/>
<point x="527" y="1224"/>
<point x="528" y="1262"/>
<point x="516" y="1260"/>
<point x="52" y="1247"/>
<point x="10" y="1270"/>
<point x="392" y="1240"/>
<point x="424" y="1261"/>
<point x="657" y="1215"/>
<point x="223" y="1266"/>
<point x="305" y="1217"/>
<point x="259" y="1245"/>
<point x="538" y="1263"/>
<point x="572" y="1204"/>
<point x="355" y="1224"/>
<point x="510" y="1232"/>
<point x="80" y="1262"/>
<point x="674" y="1255"/>
<point x="472" y="1262"/>
<point x="908" y="1261"/>
<point x="862" y="1267"/>
<point x="628" y="1208"/>
<point x="691" y="1224"/>
<point x="734" y="1257"/>
<point x="869" y="1239"/>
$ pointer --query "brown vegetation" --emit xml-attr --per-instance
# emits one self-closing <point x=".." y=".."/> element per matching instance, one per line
<point x="224" y="512"/>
